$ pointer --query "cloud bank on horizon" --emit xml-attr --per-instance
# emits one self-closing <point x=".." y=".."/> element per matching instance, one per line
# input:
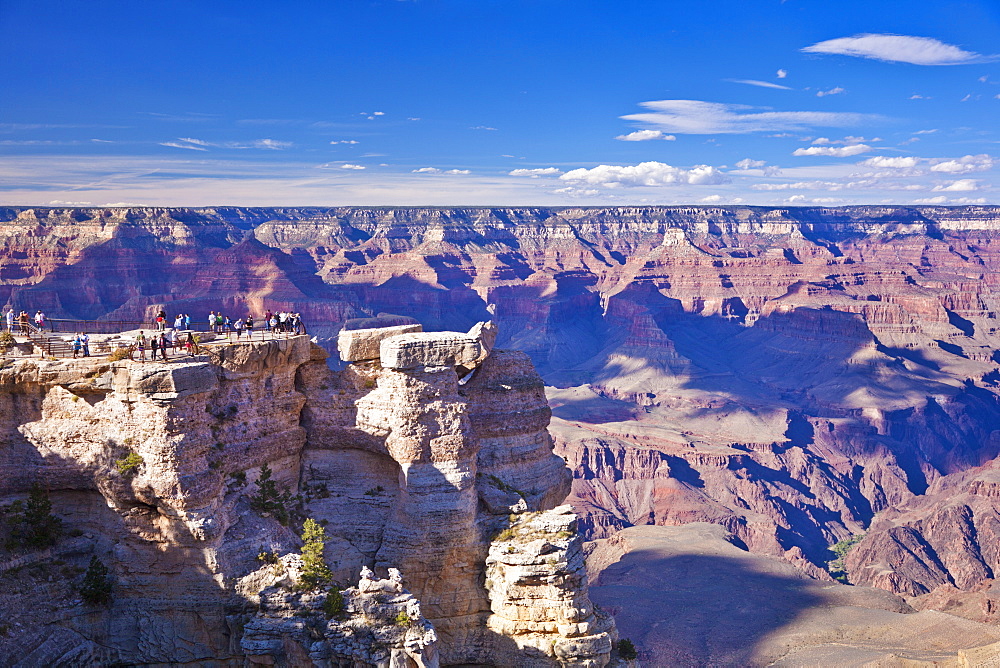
<point x="817" y="105"/>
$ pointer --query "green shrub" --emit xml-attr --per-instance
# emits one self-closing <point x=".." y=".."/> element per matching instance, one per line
<point x="267" y="557"/>
<point x="96" y="586"/>
<point x="403" y="619"/>
<point x="314" y="569"/>
<point x="840" y="549"/>
<point x="506" y="534"/>
<point x="129" y="465"/>
<point x="7" y="339"/>
<point x="333" y="604"/>
<point x="119" y="354"/>
<point x="239" y="477"/>
<point x="269" y="499"/>
<point x="626" y="650"/>
<point x="32" y="523"/>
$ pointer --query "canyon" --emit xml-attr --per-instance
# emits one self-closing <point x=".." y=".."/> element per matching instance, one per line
<point x="794" y="376"/>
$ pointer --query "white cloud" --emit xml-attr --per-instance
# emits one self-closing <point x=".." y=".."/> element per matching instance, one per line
<point x="711" y="199"/>
<point x="887" y="162"/>
<point x="645" y="135"/>
<point x="482" y="127"/>
<point x="781" y="74"/>
<point x="833" y="91"/>
<point x="577" y="192"/>
<point x="645" y="174"/>
<point x="967" y="200"/>
<point x="915" y="96"/>
<point x="940" y="199"/>
<point x="795" y="199"/>
<point x="435" y="170"/>
<point x="747" y="163"/>
<point x="535" y="173"/>
<point x="925" y="132"/>
<point x="345" y="141"/>
<point x="962" y="185"/>
<point x="271" y="144"/>
<point x="704" y="118"/>
<point x="174" y="144"/>
<point x="761" y="84"/>
<point x="964" y="165"/>
<point x="834" y="151"/>
<point x="59" y="202"/>
<point x="378" y="113"/>
<point x="846" y="141"/>
<point x="897" y="48"/>
<point x="348" y="165"/>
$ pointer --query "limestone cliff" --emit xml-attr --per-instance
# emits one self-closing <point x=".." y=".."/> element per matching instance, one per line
<point x="157" y="470"/>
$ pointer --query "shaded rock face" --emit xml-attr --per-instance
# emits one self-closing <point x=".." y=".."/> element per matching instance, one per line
<point x="784" y="373"/>
<point x="406" y="469"/>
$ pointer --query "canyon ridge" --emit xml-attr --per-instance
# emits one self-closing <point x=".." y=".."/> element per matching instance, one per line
<point x="714" y="385"/>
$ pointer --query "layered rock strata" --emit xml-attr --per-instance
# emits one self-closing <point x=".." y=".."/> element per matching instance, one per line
<point x="159" y="467"/>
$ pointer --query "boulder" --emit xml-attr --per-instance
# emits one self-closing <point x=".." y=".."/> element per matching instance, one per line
<point x="356" y="345"/>
<point x="409" y="351"/>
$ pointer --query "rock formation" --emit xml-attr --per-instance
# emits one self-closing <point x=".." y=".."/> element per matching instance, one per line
<point x="186" y="478"/>
<point x="786" y="373"/>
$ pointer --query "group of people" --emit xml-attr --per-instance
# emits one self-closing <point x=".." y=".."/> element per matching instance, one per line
<point x="283" y="321"/>
<point x="160" y="343"/>
<point x="19" y="322"/>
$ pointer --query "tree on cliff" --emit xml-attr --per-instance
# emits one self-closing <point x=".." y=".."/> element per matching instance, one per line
<point x="315" y="572"/>
<point x="96" y="586"/>
<point x="32" y="523"/>
<point x="268" y="500"/>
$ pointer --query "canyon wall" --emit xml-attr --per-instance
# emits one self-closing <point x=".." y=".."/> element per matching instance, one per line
<point x="786" y="373"/>
<point x="405" y="469"/>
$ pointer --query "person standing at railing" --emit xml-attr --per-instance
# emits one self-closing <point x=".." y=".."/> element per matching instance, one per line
<point x="249" y="325"/>
<point x="238" y="328"/>
<point x="23" y="320"/>
<point x="154" y="346"/>
<point x="161" y="320"/>
<point x="187" y="321"/>
<point x="178" y="321"/>
<point x="85" y="343"/>
<point x="163" y="346"/>
<point x="267" y="320"/>
<point x="77" y="345"/>
<point x="10" y="320"/>
<point x="39" y="319"/>
<point x="140" y="344"/>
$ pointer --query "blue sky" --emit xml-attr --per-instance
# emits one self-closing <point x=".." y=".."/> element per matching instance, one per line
<point x="461" y="102"/>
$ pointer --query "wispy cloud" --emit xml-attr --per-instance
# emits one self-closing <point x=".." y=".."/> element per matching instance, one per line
<point x="781" y="74"/>
<point x="435" y="170"/>
<point x="833" y="91"/>
<point x="191" y="147"/>
<point x="759" y="84"/>
<point x="698" y="117"/>
<point x="345" y="141"/>
<point x="348" y="165"/>
<point x="846" y="141"/>
<point x="833" y="151"/>
<point x="891" y="162"/>
<point x="483" y="127"/>
<point x="645" y="135"/>
<point x="644" y="174"/>
<point x="897" y="48"/>
<point x="535" y="173"/>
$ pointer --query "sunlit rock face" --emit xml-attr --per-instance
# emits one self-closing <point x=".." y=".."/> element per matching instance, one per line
<point x="414" y="470"/>
<point x="787" y="373"/>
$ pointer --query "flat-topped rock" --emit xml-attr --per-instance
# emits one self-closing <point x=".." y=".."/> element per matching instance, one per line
<point x="356" y="345"/>
<point x="409" y="351"/>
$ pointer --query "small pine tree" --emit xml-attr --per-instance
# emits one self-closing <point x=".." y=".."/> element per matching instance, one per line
<point x="626" y="650"/>
<point x="268" y="499"/>
<point x="33" y="524"/>
<point x="333" y="604"/>
<point x="314" y="569"/>
<point x="96" y="586"/>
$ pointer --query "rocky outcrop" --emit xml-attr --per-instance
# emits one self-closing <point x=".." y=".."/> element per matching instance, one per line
<point x="181" y="476"/>
<point x="787" y="373"/>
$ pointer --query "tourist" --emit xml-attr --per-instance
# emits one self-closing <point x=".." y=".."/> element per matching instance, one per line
<point x="161" y="320"/>
<point x="297" y="323"/>
<point x="163" y="346"/>
<point x="23" y="321"/>
<point x="211" y="321"/>
<point x="267" y="320"/>
<point x="282" y="321"/>
<point x="174" y="340"/>
<point x="39" y="319"/>
<point x="189" y="343"/>
<point x="10" y="320"/>
<point x="140" y="344"/>
<point x="272" y="323"/>
<point x="178" y="321"/>
<point x="249" y="325"/>
<point x="154" y="346"/>
<point x="187" y="321"/>
<point x="77" y="345"/>
<point x="85" y="343"/>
